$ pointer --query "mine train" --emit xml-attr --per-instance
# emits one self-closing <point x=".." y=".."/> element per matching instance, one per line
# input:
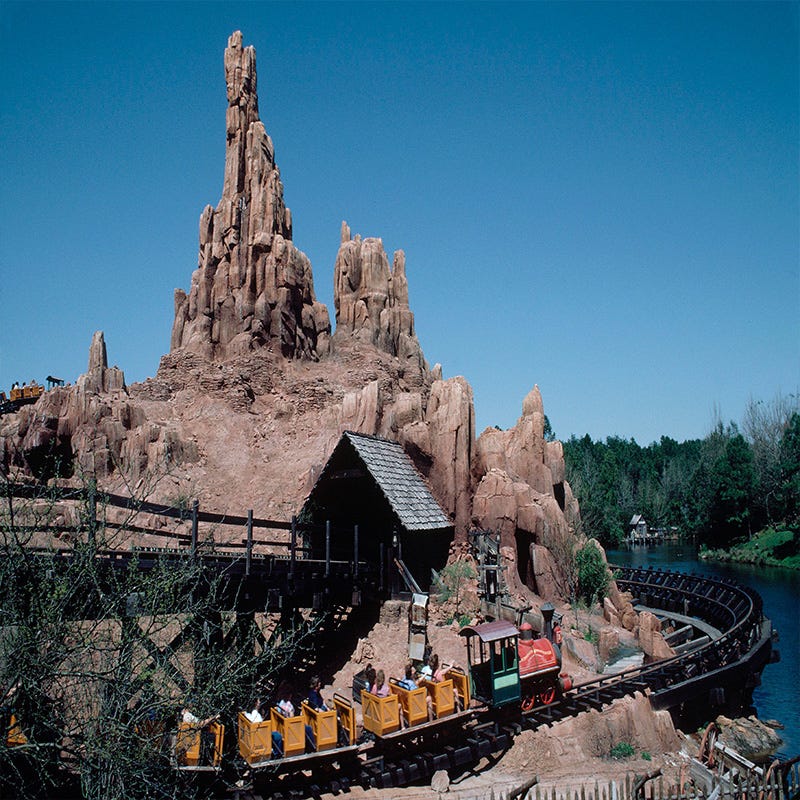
<point x="509" y="672"/>
<point x="26" y="394"/>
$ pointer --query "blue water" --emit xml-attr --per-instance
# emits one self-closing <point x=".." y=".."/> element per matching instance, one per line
<point x="778" y="697"/>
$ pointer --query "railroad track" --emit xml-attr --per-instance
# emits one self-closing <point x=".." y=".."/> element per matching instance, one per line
<point x="743" y="646"/>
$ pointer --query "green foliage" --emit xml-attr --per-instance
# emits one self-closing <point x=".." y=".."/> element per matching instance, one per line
<point x="450" y="582"/>
<point x="622" y="750"/>
<point x="593" y="573"/>
<point x="721" y="488"/>
<point x="549" y="435"/>
<point x="778" y="547"/>
<point x="646" y="756"/>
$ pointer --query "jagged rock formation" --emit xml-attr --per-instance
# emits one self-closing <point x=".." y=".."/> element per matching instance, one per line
<point x="252" y="286"/>
<point x="92" y="430"/>
<point x="246" y="411"/>
<point x="521" y="492"/>
<point x="371" y="300"/>
<point x="99" y="378"/>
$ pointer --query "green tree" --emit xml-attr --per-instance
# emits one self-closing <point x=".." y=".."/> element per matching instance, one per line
<point x="734" y="481"/>
<point x="452" y="580"/>
<point x="789" y="470"/>
<point x="593" y="574"/>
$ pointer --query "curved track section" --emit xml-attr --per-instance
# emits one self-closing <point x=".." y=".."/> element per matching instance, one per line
<point x="706" y="674"/>
<point x="698" y="679"/>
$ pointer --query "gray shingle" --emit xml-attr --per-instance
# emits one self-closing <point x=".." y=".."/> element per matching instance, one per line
<point x="400" y="482"/>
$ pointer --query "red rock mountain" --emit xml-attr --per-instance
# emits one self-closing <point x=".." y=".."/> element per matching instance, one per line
<point x="249" y="403"/>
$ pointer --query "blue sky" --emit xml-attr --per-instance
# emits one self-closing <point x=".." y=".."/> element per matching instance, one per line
<point x="599" y="198"/>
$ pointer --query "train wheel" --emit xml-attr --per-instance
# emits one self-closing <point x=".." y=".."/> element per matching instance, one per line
<point x="528" y="702"/>
<point x="548" y="695"/>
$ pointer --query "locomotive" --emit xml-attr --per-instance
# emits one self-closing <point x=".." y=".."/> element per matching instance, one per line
<point x="507" y="665"/>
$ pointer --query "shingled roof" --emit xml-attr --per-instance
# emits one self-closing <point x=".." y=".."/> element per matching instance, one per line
<point x="399" y="481"/>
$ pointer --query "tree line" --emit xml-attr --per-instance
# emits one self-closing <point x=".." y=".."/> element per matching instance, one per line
<point x="725" y="487"/>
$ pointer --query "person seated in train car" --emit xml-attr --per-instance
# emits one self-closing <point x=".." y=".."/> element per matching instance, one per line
<point x="285" y="706"/>
<point x="277" y="745"/>
<point x="439" y="674"/>
<point x="315" y="699"/>
<point x="379" y="686"/>
<point x="369" y="675"/>
<point x="207" y="739"/>
<point x="410" y="680"/>
<point x="254" y="715"/>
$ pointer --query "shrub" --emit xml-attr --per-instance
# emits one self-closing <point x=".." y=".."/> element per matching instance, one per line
<point x="450" y="582"/>
<point x="622" y="750"/>
<point x="592" y="572"/>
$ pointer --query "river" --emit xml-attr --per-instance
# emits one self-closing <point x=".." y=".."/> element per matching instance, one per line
<point x="778" y="697"/>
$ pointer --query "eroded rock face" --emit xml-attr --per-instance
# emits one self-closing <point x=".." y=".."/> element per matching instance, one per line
<point x="371" y="300"/>
<point x="521" y="492"/>
<point x="99" y="378"/>
<point x="93" y="429"/>
<point x="450" y="420"/>
<point x="252" y="286"/>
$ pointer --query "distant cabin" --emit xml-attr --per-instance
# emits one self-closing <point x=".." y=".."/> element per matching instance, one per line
<point x="637" y="527"/>
<point x="371" y="482"/>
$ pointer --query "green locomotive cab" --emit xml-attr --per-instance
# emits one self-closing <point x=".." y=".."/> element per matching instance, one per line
<point x="493" y="662"/>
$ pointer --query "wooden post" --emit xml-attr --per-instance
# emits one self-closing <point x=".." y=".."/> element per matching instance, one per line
<point x="249" y="542"/>
<point x="292" y="549"/>
<point x="195" y="513"/>
<point x="327" y="548"/>
<point x="396" y="538"/>
<point x="92" y="513"/>
<point x="383" y="562"/>
<point x="355" y="551"/>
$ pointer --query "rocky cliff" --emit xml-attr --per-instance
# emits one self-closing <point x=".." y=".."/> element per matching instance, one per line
<point x="253" y="396"/>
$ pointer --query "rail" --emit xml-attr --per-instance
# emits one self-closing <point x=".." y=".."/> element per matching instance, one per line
<point x="734" y="609"/>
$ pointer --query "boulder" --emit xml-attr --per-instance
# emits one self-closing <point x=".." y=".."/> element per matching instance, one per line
<point x="650" y="638"/>
<point x="749" y="736"/>
<point x="440" y="782"/>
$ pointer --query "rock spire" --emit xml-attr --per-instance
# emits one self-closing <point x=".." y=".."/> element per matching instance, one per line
<point x="252" y="286"/>
<point x="99" y="377"/>
<point x="371" y="300"/>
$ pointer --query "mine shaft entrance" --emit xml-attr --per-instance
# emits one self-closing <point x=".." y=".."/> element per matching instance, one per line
<point x="524" y="541"/>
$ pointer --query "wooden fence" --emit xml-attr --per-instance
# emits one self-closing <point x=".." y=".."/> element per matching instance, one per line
<point x="729" y="781"/>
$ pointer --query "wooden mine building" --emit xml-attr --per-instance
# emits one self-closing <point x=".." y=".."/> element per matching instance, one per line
<point x="372" y="483"/>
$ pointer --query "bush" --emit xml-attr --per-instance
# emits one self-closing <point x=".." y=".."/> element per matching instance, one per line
<point x="622" y="750"/>
<point x="592" y="572"/>
<point x="450" y="582"/>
